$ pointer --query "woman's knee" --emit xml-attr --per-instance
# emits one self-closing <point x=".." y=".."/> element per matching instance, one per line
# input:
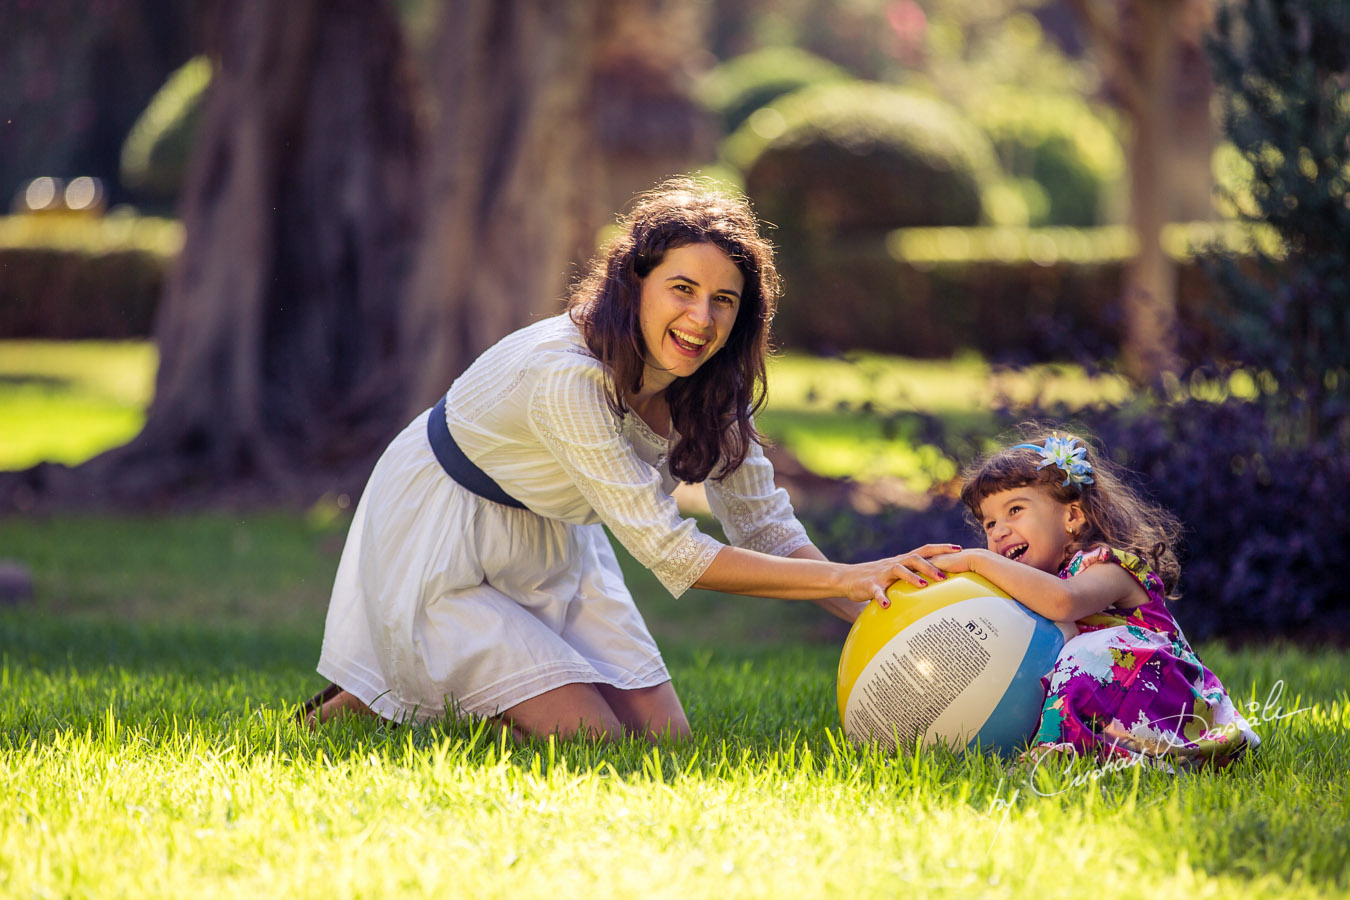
<point x="573" y="709"/>
<point x="654" y="712"/>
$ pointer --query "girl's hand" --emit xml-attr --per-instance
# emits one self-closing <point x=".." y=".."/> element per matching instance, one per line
<point x="961" y="561"/>
<point x="868" y="581"/>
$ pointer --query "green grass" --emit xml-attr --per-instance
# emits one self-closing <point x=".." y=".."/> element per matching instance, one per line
<point x="145" y="748"/>
<point x="847" y="416"/>
<point x="66" y="401"/>
<point x="145" y="751"/>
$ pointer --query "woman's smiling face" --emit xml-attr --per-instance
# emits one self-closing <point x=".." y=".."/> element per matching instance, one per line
<point x="687" y="309"/>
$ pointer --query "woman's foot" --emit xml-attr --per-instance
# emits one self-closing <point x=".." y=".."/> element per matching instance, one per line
<point x="333" y="701"/>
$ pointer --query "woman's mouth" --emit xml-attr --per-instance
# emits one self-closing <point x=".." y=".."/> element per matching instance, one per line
<point x="687" y="343"/>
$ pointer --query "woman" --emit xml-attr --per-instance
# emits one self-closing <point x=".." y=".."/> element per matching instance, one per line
<point x="477" y="575"/>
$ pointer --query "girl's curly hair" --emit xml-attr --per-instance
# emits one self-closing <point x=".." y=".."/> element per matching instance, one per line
<point x="1118" y="515"/>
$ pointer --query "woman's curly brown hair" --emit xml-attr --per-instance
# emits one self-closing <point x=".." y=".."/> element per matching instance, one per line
<point x="1118" y="515"/>
<point x="711" y="409"/>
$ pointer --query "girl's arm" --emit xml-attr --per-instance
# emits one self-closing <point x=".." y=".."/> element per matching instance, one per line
<point x="800" y="577"/>
<point x="1061" y="599"/>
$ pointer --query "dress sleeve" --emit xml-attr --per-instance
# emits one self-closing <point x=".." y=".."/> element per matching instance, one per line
<point x="569" y="413"/>
<point x="755" y="513"/>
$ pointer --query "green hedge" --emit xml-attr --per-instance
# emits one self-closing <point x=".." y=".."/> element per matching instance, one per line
<point x="736" y="88"/>
<point x="1063" y="155"/>
<point x="67" y="277"/>
<point x="1026" y="294"/>
<point x="848" y="157"/>
<point x="916" y="292"/>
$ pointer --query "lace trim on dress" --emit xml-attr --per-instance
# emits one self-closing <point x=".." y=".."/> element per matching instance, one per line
<point x="777" y="539"/>
<point x="691" y="559"/>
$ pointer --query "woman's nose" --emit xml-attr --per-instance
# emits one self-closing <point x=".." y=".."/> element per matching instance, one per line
<point x="700" y="310"/>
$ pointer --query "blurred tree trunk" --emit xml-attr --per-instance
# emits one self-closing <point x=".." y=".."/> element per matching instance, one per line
<point x="333" y="283"/>
<point x="509" y="196"/>
<point x="279" y="330"/>
<point x="1141" y="44"/>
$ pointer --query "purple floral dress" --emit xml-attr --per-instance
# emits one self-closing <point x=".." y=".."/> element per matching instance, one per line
<point x="1129" y="685"/>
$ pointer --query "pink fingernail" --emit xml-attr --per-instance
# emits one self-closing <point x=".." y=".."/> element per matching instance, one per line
<point x="922" y="583"/>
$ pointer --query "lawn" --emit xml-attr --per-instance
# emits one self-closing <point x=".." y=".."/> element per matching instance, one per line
<point x="67" y="401"/>
<point x="847" y="416"/>
<point x="146" y="751"/>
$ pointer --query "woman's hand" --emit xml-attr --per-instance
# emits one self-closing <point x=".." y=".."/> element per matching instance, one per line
<point x="868" y="581"/>
<point x="807" y="575"/>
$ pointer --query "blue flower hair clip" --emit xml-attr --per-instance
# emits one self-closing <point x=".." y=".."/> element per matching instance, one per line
<point x="1060" y="451"/>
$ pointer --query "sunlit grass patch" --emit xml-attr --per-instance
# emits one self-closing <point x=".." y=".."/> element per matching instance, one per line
<point x="66" y="401"/>
<point x="861" y="416"/>
<point x="159" y="761"/>
<point x="146" y="750"/>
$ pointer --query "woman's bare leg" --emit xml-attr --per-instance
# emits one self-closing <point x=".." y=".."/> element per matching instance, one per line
<point x="653" y="712"/>
<point x="565" y="711"/>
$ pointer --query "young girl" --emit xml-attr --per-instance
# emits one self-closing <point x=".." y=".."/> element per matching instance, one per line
<point x="477" y="574"/>
<point x="1068" y="538"/>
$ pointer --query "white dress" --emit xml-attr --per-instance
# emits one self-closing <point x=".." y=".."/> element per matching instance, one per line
<point x="446" y="601"/>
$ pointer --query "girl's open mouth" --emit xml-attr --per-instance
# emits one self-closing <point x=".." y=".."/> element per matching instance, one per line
<point x="1016" y="552"/>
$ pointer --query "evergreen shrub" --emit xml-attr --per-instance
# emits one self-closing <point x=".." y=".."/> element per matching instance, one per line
<point x="1013" y="294"/>
<point x="736" y="88"/>
<point x="847" y="158"/>
<point x="1065" y="155"/>
<point x="1283" y="69"/>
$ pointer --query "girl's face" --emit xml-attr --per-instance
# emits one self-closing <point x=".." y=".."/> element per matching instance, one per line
<point x="1028" y="525"/>
<point x="687" y="309"/>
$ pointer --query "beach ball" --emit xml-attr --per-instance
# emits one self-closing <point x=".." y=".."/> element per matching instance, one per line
<point x="958" y="662"/>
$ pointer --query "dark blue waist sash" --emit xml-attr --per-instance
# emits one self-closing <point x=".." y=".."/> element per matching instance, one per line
<point x="460" y="467"/>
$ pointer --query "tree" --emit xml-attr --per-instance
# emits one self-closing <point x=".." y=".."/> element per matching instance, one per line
<point x="508" y="195"/>
<point x="549" y="116"/>
<point x="335" y="277"/>
<point x="1146" y="47"/>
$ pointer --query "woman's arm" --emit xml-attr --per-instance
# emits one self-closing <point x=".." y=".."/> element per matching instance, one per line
<point x="837" y="606"/>
<point x="811" y="577"/>
<point x="1061" y="599"/>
